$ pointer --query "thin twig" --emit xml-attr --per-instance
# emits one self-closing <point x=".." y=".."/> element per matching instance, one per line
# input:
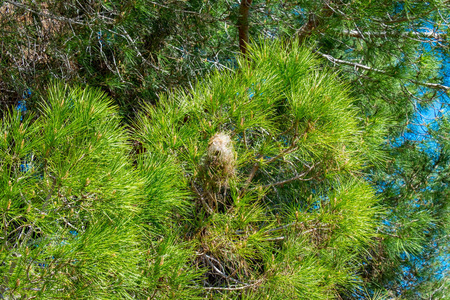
<point x="425" y="34"/>
<point x="250" y="178"/>
<point x="283" y="227"/>
<point x="221" y="273"/>
<point x="286" y="151"/>
<point x="364" y="67"/>
<point x="297" y="177"/>
<point x="279" y="238"/>
<point x="348" y="63"/>
<point x="202" y="199"/>
<point x="234" y="287"/>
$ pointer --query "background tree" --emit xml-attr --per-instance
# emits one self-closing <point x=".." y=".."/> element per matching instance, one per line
<point x="139" y="48"/>
<point x="133" y="50"/>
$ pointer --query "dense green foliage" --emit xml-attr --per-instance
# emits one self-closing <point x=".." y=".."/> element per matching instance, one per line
<point x="74" y="207"/>
<point x="391" y="54"/>
<point x="415" y="188"/>
<point x="135" y="50"/>
<point x="131" y="49"/>
<point x="204" y="208"/>
<point x="68" y="197"/>
<point x="294" y="217"/>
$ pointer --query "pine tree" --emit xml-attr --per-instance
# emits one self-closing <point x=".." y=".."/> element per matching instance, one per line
<point x="251" y="185"/>
<point x="273" y="157"/>
<point x="392" y="54"/>
<point x="79" y="220"/>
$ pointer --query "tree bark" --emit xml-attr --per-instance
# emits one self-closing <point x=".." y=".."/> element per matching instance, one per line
<point x="242" y="24"/>
<point x="315" y="21"/>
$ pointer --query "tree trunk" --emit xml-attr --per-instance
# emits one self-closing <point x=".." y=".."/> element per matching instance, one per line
<point x="242" y="23"/>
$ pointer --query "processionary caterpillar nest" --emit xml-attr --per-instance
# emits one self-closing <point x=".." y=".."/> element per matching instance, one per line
<point x="219" y="164"/>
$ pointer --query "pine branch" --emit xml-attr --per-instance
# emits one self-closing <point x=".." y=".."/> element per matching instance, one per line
<point x="234" y="287"/>
<point x="202" y="199"/>
<point x="424" y="14"/>
<point x="256" y="166"/>
<point x="348" y="63"/>
<point x="438" y="37"/>
<point x="296" y="177"/>
<point x="221" y="273"/>
<point x="361" y="66"/>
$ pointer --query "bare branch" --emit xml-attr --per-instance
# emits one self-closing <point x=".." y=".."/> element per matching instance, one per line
<point x="283" y="227"/>
<point x="179" y="10"/>
<point x="202" y="199"/>
<point x="234" y="287"/>
<point x="408" y="18"/>
<point x="348" y="63"/>
<point x="418" y="34"/>
<point x="283" y="153"/>
<point x="431" y="85"/>
<point x="279" y="238"/>
<point x="250" y="177"/>
<point x="297" y="177"/>
<point x="364" y="67"/>
<point x="221" y="273"/>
